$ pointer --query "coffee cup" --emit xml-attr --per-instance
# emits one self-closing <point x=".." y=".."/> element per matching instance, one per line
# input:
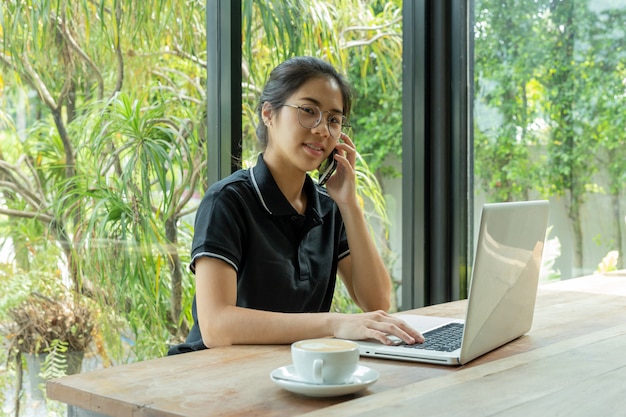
<point x="325" y="361"/>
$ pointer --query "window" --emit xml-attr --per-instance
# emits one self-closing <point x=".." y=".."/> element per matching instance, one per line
<point x="550" y="83"/>
<point x="433" y="211"/>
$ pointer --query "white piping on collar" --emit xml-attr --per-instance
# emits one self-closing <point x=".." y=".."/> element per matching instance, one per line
<point x="258" y="191"/>
<point x="322" y="191"/>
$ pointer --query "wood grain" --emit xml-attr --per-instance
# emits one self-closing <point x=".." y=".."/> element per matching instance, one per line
<point x="573" y="354"/>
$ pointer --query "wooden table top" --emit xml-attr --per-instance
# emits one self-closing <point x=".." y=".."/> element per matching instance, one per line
<point x="573" y="360"/>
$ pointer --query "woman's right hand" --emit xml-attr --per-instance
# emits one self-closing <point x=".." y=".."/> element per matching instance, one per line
<point x="376" y="325"/>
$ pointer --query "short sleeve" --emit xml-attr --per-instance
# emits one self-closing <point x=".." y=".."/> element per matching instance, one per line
<point x="219" y="231"/>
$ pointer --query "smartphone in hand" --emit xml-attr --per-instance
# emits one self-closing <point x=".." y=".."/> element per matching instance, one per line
<point x="326" y="168"/>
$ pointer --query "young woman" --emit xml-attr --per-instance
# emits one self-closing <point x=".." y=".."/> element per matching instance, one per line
<point x="269" y="241"/>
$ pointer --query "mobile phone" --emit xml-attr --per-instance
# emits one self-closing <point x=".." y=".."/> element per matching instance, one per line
<point x="326" y="168"/>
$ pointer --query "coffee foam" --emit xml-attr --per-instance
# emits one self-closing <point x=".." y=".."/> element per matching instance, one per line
<point x="321" y="345"/>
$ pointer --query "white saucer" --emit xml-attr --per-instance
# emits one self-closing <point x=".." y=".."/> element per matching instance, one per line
<point x="286" y="378"/>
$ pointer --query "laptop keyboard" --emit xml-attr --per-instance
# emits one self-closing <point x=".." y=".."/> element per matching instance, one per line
<point x="443" y="339"/>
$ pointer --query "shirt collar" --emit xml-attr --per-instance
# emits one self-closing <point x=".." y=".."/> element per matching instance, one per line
<point x="273" y="199"/>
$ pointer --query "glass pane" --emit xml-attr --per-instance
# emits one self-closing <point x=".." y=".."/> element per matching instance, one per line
<point x="102" y="158"/>
<point x="364" y="41"/>
<point x="550" y="82"/>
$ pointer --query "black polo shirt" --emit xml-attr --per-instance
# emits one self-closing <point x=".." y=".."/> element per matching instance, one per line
<point x="285" y="261"/>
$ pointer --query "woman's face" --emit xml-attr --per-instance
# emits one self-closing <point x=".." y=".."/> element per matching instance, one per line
<point x="292" y="146"/>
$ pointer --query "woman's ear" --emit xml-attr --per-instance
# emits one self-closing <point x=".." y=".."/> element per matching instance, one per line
<point x="266" y="113"/>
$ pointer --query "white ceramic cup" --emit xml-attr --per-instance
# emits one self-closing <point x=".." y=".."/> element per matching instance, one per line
<point x="325" y="361"/>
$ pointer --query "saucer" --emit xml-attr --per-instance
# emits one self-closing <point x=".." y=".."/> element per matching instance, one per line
<point x="287" y="378"/>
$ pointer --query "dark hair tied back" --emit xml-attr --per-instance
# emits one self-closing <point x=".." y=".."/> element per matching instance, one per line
<point x="288" y="77"/>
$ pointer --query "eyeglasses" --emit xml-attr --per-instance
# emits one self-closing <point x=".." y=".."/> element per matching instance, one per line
<point x="310" y="117"/>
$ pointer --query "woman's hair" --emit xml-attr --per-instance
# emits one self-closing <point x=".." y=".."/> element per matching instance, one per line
<point x="289" y="76"/>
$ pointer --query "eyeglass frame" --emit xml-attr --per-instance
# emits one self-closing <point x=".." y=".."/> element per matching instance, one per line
<point x="319" y="121"/>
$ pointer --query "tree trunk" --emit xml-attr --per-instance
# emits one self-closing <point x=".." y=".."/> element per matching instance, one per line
<point x="171" y="234"/>
<point x="572" y="170"/>
<point x="620" y="222"/>
<point x="574" y="215"/>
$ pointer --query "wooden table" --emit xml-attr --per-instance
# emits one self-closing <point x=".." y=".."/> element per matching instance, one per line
<point x="571" y="363"/>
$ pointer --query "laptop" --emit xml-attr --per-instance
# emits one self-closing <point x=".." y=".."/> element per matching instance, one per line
<point x="502" y="291"/>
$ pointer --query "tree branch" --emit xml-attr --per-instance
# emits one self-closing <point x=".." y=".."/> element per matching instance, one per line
<point x="30" y="199"/>
<point x="353" y="44"/>
<point x="27" y="215"/>
<point x="11" y="172"/>
<point x="178" y="97"/>
<point x="70" y="163"/>
<point x="369" y="28"/>
<point x="35" y="177"/>
<point x="118" y="51"/>
<point x="39" y="85"/>
<point x="199" y="163"/>
<point x="72" y="42"/>
<point x="181" y="74"/>
<point x="180" y="53"/>
<point x="7" y="62"/>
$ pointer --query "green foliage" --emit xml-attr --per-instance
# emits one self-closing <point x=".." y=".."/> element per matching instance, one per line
<point x="39" y="321"/>
<point x="370" y="193"/>
<point x="342" y="302"/>
<point x="363" y="40"/>
<point x="550" y="88"/>
<point x="102" y="157"/>
<point x="104" y="167"/>
<point x="55" y="363"/>
<point x="377" y="124"/>
<point x="18" y="284"/>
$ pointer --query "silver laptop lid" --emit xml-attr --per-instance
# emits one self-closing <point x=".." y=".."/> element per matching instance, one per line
<point x="504" y="280"/>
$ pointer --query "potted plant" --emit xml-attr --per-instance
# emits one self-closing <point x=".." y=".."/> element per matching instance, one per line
<point x="48" y="328"/>
<point x="41" y="323"/>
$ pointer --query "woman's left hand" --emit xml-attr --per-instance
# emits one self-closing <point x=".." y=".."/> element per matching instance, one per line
<point x="342" y="184"/>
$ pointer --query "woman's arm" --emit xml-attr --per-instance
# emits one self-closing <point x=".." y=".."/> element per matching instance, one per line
<point x="223" y="323"/>
<point x="363" y="272"/>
